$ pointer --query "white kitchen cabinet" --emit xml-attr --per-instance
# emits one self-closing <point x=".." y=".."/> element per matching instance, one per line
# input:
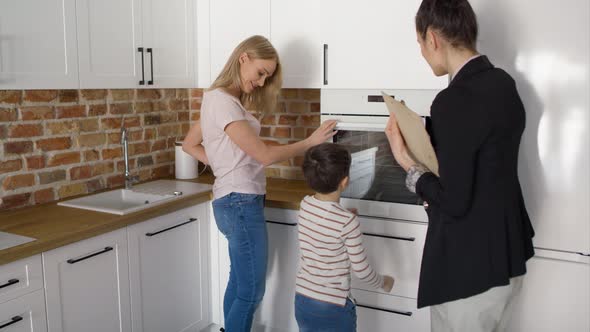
<point x="277" y="309"/>
<point x="372" y="45"/>
<point x="230" y="23"/>
<point x="87" y="285"/>
<point x="168" y="32"/>
<point x="168" y="259"/>
<point x="21" y="277"/>
<point x="292" y="28"/>
<point x="135" y="43"/>
<point x="555" y="294"/>
<point x="24" y="314"/>
<point x="295" y="33"/>
<point x="38" y="44"/>
<point x="109" y="34"/>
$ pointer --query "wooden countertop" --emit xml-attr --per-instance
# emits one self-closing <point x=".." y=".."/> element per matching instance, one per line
<point x="54" y="226"/>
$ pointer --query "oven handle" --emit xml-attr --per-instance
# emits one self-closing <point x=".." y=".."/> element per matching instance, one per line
<point x="360" y="126"/>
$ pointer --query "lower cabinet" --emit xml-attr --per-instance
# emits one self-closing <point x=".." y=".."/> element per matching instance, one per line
<point x="555" y="294"/>
<point x="277" y="309"/>
<point x="24" y="314"/>
<point x="168" y="270"/>
<point x="87" y="285"/>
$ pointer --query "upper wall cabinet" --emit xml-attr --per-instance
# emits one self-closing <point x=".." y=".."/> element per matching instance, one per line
<point x="168" y="30"/>
<point x="328" y="44"/>
<point x="135" y="43"/>
<point x="232" y="22"/>
<point x="292" y="27"/>
<point x="109" y="35"/>
<point x="295" y="32"/>
<point x="372" y="45"/>
<point x="38" y="44"/>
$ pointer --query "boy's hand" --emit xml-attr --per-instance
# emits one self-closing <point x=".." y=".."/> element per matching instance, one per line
<point x="354" y="211"/>
<point x="388" y="283"/>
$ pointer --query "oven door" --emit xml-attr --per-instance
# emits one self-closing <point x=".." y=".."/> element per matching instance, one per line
<point x="377" y="182"/>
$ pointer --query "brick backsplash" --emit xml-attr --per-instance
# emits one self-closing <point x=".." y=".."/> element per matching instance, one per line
<point x="60" y="143"/>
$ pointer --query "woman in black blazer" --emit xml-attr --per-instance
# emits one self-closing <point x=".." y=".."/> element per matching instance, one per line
<point x="479" y="233"/>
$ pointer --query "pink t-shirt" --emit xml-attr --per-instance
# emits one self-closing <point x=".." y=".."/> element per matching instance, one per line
<point x="234" y="170"/>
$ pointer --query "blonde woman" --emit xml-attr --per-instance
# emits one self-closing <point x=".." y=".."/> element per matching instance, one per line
<point x="227" y="139"/>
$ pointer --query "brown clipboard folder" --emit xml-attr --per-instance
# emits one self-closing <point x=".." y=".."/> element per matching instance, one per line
<point x="414" y="133"/>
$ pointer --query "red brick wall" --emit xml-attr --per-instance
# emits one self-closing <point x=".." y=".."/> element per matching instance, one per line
<point x="60" y="143"/>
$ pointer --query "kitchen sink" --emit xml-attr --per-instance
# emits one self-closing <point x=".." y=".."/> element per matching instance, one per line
<point x="125" y="201"/>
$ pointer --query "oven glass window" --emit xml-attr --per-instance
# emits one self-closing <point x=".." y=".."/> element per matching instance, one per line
<point x="374" y="173"/>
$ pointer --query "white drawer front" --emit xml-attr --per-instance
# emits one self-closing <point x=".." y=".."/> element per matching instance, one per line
<point x="20" y="277"/>
<point x="24" y="314"/>
<point x="377" y="312"/>
<point x="394" y="248"/>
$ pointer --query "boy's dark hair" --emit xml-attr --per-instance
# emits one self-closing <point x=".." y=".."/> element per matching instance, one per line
<point x="324" y="167"/>
<point x="454" y="19"/>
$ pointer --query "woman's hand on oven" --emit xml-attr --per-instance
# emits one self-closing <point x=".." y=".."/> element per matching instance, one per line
<point x="323" y="133"/>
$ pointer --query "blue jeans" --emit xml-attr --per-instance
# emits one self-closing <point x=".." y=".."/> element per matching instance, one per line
<point x="317" y="316"/>
<point x="240" y="217"/>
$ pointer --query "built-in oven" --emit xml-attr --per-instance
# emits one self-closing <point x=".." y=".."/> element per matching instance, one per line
<point x="377" y="182"/>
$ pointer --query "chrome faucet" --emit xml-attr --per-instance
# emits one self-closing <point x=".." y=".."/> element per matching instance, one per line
<point x="129" y="179"/>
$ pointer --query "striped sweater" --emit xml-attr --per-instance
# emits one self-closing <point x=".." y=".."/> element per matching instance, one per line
<point x="330" y="246"/>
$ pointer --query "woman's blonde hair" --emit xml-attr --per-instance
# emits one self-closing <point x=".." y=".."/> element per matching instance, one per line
<point x="263" y="99"/>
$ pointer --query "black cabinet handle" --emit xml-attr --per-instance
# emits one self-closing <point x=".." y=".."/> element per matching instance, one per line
<point x="76" y="260"/>
<point x="13" y="320"/>
<point x="411" y="239"/>
<point x="169" y="228"/>
<point x="325" y="64"/>
<point x="149" y="50"/>
<point x="142" y="82"/>
<point x="403" y="313"/>
<point x="10" y="282"/>
<point x="281" y="223"/>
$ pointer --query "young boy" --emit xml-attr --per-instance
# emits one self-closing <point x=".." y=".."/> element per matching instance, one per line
<point x="330" y="246"/>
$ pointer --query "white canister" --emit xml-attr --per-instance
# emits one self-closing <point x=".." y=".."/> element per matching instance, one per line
<point x="186" y="165"/>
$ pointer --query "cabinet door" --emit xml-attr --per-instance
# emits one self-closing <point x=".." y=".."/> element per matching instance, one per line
<point x="372" y="45"/>
<point x="24" y="314"/>
<point x="295" y="33"/>
<point x="168" y="38"/>
<point x="277" y="310"/>
<point x="169" y="272"/>
<point x="555" y="294"/>
<point x="20" y="277"/>
<point x="230" y="23"/>
<point x="38" y="44"/>
<point x="109" y="34"/>
<point x="87" y="285"/>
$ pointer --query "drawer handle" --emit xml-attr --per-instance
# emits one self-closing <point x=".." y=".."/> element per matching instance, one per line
<point x="13" y="320"/>
<point x="325" y="64"/>
<point x="411" y="239"/>
<point x="9" y="283"/>
<point x="149" y="50"/>
<point x="403" y="313"/>
<point x="281" y="223"/>
<point x="142" y="82"/>
<point x="73" y="261"/>
<point x="169" y="228"/>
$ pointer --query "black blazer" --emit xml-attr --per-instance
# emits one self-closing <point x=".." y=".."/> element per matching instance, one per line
<point x="479" y="233"/>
